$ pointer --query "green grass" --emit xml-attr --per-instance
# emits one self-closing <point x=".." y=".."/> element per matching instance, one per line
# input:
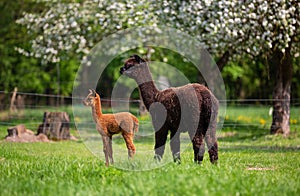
<point x="251" y="162"/>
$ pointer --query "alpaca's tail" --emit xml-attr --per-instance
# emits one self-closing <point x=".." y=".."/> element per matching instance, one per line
<point x="135" y="124"/>
<point x="213" y="115"/>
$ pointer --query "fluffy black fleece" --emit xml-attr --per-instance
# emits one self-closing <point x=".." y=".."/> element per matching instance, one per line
<point x="191" y="108"/>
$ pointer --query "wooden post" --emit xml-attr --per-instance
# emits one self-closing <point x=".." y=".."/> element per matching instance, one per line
<point x="13" y="107"/>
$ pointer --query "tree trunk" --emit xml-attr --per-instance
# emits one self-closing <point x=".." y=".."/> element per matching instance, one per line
<point x="210" y="72"/>
<point x="55" y="125"/>
<point x="223" y="60"/>
<point x="282" y="62"/>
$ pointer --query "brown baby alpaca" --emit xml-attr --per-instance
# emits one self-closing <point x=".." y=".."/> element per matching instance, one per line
<point x="191" y="108"/>
<point x="109" y="124"/>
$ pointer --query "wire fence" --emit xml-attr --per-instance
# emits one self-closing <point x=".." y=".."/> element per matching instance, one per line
<point x="28" y="108"/>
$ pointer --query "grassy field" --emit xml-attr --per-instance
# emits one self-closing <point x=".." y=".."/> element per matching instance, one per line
<point x="251" y="162"/>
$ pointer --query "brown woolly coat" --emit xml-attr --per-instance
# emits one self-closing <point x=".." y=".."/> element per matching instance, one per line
<point x="191" y="108"/>
<point x="109" y="124"/>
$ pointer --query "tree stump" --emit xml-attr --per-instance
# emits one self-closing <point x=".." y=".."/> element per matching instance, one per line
<point x="55" y="126"/>
<point x="16" y="130"/>
<point x="19" y="133"/>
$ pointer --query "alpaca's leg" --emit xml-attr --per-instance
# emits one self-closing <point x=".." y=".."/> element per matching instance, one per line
<point x="212" y="146"/>
<point x="211" y="142"/>
<point x="198" y="147"/>
<point x="210" y="136"/>
<point x="175" y="145"/>
<point x="128" y="137"/>
<point x="110" y="150"/>
<point x="105" y="140"/>
<point x="160" y="141"/>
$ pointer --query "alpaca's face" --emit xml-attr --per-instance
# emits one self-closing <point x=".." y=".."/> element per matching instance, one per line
<point x="89" y="100"/>
<point x="133" y="66"/>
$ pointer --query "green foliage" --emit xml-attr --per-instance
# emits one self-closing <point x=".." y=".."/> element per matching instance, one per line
<point x="12" y="65"/>
<point x="234" y="71"/>
<point x="26" y="72"/>
<point x="252" y="79"/>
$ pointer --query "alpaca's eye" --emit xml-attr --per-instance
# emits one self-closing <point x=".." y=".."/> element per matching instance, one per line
<point x="128" y="66"/>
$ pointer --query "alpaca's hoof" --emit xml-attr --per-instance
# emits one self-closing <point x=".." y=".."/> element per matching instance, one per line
<point x="176" y="158"/>
<point x="198" y="159"/>
<point x="214" y="159"/>
<point x="214" y="162"/>
<point x="198" y="162"/>
<point x="157" y="157"/>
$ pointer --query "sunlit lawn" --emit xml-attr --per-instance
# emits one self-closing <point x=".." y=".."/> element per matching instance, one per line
<point x="251" y="162"/>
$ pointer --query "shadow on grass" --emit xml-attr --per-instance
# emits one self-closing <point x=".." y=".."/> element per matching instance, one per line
<point x="269" y="149"/>
<point x="240" y="137"/>
<point x="236" y="131"/>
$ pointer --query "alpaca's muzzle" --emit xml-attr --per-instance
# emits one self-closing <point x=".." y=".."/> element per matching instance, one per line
<point x="122" y="69"/>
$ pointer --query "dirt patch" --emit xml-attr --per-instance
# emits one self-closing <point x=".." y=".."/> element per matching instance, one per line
<point x="226" y="134"/>
<point x="28" y="137"/>
<point x="19" y="133"/>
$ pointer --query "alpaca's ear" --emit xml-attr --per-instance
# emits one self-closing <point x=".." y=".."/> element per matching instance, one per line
<point x="138" y="59"/>
<point x="90" y="90"/>
<point x="94" y="92"/>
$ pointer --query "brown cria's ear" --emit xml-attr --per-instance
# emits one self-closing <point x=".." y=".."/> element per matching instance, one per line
<point x="94" y="92"/>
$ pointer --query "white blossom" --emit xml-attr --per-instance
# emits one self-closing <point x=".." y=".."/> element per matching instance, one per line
<point x="250" y="26"/>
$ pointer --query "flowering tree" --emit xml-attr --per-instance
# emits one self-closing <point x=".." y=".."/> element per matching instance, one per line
<point x="65" y="31"/>
<point x="230" y="30"/>
<point x="72" y="29"/>
<point x="233" y="30"/>
<point x="238" y="29"/>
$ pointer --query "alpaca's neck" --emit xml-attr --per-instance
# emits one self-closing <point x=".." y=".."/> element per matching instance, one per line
<point x="97" y="110"/>
<point x="144" y="74"/>
<point x="148" y="92"/>
<point x="146" y="85"/>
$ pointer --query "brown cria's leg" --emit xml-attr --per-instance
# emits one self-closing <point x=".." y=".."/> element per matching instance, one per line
<point x="175" y="145"/>
<point x="105" y="140"/>
<point x="110" y="150"/>
<point x="160" y="141"/>
<point x="128" y="137"/>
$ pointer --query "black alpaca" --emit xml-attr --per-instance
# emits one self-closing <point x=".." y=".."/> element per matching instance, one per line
<point x="191" y="108"/>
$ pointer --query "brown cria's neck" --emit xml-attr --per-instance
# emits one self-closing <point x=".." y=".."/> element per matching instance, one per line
<point x="148" y="91"/>
<point x="97" y="110"/>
